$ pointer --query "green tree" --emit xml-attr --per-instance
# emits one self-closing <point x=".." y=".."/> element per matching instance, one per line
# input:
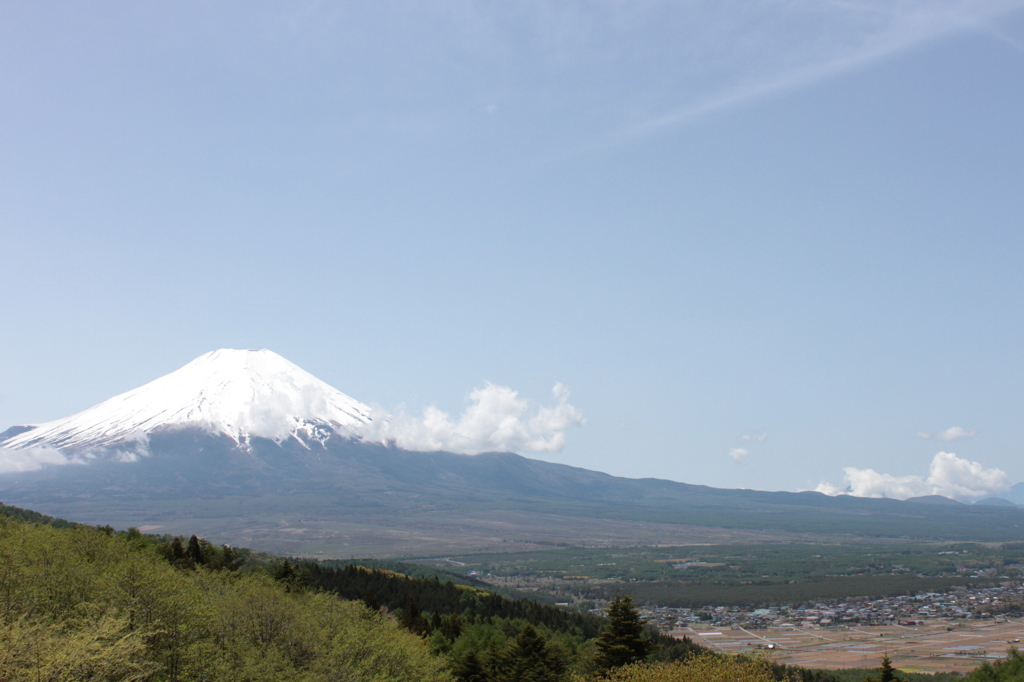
<point x="98" y="648"/>
<point x="194" y="551"/>
<point x="412" y="618"/>
<point x="370" y="601"/>
<point x="528" y="659"/>
<point x="470" y="669"/>
<point x="177" y="555"/>
<point x="78" y="604"/>
<point x="886" y="672"/>
<point x="705" y="667"/>
<point x="1010" y="669"/>
<point x="623" y="640"/>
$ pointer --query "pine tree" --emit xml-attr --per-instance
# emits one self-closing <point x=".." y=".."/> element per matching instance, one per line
<point x="887" y="674"/>
<point x="412" y="618"/>
<point x="528" y="659"/>
<point x="178" y="556"/>
<point x="370" y="601"/>
<point x="194" y="551"/>
<point x="470" y="669"/>
<point x="623" y="640"/>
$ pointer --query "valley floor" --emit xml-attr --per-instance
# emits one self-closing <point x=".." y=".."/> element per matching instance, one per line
<point x="935" y="646"/>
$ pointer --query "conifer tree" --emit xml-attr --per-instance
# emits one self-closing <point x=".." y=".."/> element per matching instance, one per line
<point x="370" y="601"/>
<point x="194" y="551"/>
<point x="178" y="556"/>
<point x="470" y="669"/>
<point x="412" y="618"/>
<point x="623" y="640"/>
<point x="886" y="672"/>
<point x="528" y="659"/>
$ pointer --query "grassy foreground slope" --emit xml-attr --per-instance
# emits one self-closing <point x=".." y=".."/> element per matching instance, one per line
<point x="81" y="604"/>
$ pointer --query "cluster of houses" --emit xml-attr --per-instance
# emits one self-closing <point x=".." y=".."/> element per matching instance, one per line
<point x="967" y="604"/>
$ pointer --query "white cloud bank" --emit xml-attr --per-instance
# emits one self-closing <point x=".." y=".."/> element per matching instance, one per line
<point x="497" y="419"/>
<point x="949" y="475"/>
<point x="950" y="434"/>
<point x="29" y="459"/>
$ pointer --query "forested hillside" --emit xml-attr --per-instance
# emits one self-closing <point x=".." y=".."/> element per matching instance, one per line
<point x="85" y="603"/>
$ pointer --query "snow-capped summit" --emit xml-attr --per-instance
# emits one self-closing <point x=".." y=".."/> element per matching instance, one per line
<point x="240" y="393"/>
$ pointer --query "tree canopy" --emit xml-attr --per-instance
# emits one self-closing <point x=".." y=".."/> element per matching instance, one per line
<point x="81" y="604"/>
<point x="624" y="640"/>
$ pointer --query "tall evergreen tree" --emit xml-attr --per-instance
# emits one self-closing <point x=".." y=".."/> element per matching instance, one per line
<point x="528" y="659"/>
<point x="470" y="669"/>
<point x="194" y="551"/>
<point x="623" y="640"/>
<point x="370" y="601"/>
<point x="886" y="672"/>
<point x="178" y="556"/>
<point x="412" y="618"/>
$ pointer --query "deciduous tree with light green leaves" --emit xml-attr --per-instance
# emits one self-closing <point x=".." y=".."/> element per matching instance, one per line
<point x="702" y="668"/>
<point x="82" y="604"/>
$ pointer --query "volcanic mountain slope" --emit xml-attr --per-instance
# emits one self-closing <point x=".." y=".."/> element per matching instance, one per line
<point x="237" y="393"/>
<point x="245" y="447"/>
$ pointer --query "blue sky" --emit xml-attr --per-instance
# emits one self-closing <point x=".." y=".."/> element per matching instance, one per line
<point x="787" y="228"/>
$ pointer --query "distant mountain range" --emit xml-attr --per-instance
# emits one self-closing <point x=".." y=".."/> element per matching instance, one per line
<point x="246" y="448"/>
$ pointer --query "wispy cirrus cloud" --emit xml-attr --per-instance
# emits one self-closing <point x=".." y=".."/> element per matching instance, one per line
<point x="774" y="46"/>
<point x="602" y="73"/>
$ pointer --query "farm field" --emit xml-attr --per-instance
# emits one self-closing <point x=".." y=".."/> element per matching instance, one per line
<point x="744" y="574"/>
<point x="935" y="646"/>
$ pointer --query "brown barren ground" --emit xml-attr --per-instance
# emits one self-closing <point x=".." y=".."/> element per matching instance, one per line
<point x="429" y="532"/>
<point x="936" y="646"/>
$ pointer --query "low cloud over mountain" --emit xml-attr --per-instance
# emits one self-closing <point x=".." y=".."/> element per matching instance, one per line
<point x="30" y="459"/>
<point x="244" y="394"/>
<point x="496" y="420"/>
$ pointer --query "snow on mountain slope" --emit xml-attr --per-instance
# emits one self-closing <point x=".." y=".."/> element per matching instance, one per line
<point x="240" y="393"/>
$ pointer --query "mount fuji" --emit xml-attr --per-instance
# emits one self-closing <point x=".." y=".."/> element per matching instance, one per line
<point x="241" y="394"/>
<point x="244" y="447"/>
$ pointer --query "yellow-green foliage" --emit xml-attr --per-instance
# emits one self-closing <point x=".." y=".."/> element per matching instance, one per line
<point x="702" y="668"/>
<point x="99" y="648"/>
<point x="77" y="604"/>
